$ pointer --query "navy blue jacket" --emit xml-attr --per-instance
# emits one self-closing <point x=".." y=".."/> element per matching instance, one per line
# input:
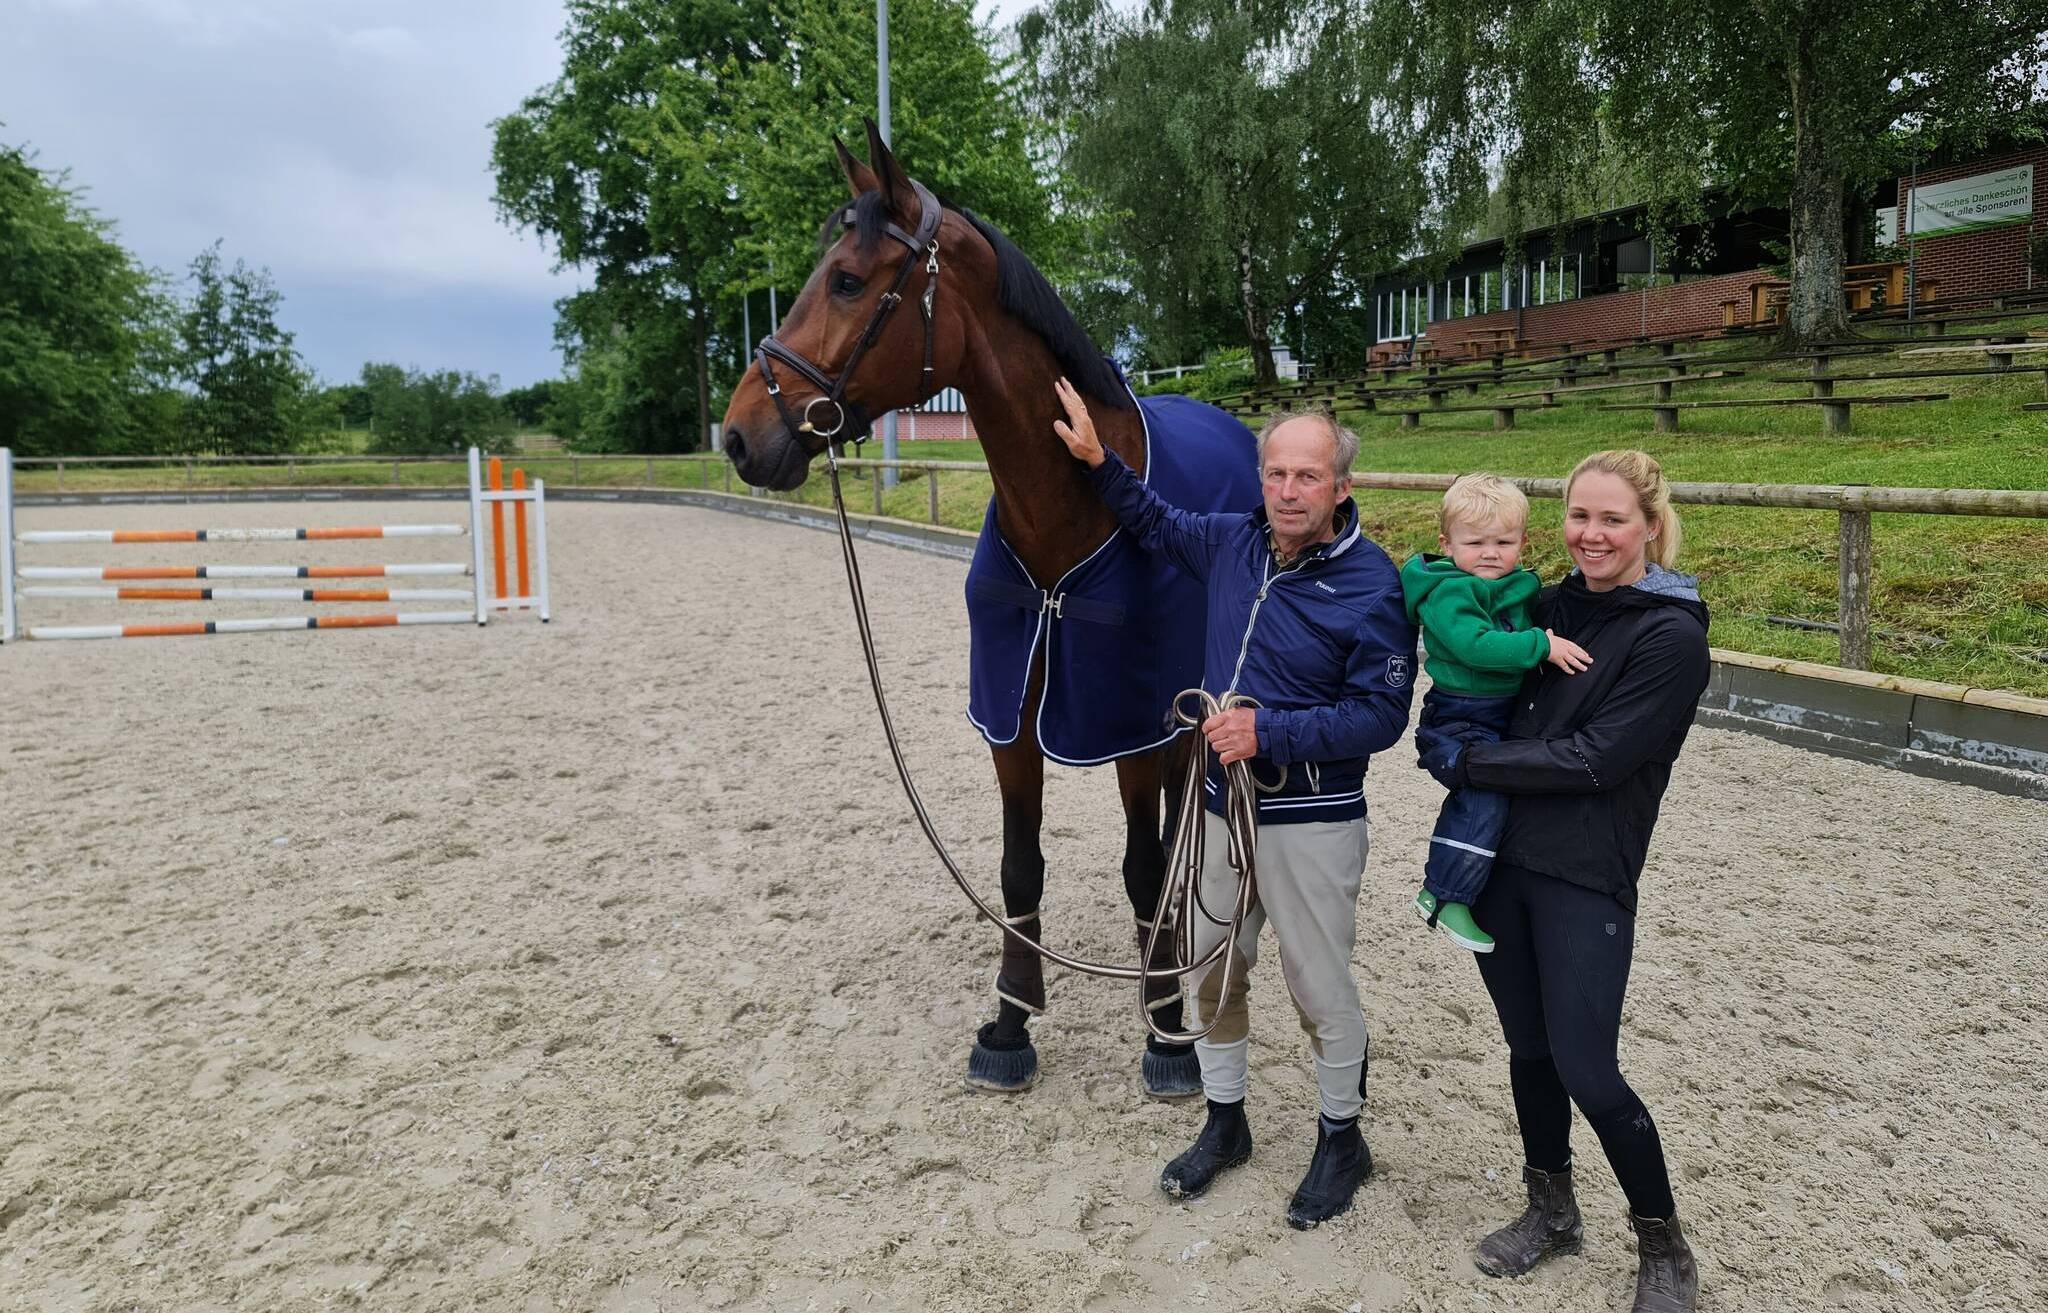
<point x="1325" y="646"/>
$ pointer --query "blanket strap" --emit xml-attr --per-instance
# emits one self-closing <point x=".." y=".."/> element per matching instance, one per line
<point x="1064" y="606"/>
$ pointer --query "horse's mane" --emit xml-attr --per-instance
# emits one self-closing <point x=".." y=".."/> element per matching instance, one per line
<point x="1021" y="290"/>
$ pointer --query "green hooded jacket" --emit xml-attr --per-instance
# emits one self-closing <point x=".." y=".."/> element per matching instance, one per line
<point x="1476" y="630"/>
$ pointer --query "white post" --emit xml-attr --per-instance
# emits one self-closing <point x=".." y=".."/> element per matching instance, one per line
<point x="540" y="543"/>
<point x="889" y="476"/>
<point x="6" y="545"/>
<point x="1542" y="281"/>
<point x="476" y="529"/>
<point x="1468" y="294"/>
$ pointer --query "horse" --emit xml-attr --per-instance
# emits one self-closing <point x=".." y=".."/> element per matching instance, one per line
<point x="988" y="323"/>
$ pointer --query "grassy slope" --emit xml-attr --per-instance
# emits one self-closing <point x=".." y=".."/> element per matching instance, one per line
<point x="1957" y="598"/>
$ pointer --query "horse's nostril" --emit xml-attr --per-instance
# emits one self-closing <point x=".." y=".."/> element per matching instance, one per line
<point x="735" y="446"/>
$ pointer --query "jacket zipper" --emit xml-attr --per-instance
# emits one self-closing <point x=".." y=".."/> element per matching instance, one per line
<point x="1245" y="643"/>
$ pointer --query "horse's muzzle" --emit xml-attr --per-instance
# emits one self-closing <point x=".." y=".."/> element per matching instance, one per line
<point x="778" y="463"/>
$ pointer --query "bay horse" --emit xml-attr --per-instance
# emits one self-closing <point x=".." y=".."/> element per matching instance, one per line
<point x="983" y="320"/>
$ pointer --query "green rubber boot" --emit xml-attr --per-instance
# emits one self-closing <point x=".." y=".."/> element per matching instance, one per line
<point x="1455" y="920"/>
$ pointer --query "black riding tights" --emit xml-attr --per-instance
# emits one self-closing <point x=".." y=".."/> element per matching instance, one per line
<point x="1557" y="974"/>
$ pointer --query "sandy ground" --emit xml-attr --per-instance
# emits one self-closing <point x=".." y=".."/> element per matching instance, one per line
<point x="600" y="966"/>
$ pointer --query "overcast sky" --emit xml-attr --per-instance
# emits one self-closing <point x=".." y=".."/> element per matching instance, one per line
<point x="345" y="144"/>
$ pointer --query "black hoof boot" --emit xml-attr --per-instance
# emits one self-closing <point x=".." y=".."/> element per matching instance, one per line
<point x="1171" y="1070"/>
<point x="1004" y="1066"/>
<point x="1341" y="1163"/>
<point x="1225" y="1141"/>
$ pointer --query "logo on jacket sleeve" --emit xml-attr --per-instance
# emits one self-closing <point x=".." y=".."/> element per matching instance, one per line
<point x="1397" y="672"/>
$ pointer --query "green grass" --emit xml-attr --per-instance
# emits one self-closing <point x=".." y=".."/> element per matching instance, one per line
<point x="1956" y="598"/>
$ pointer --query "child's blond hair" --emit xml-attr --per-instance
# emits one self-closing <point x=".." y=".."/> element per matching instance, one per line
<point x="1482" y="501"/>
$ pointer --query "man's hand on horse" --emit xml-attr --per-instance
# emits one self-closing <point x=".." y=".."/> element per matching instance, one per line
<point x="1076" y="430"/>
<point x="1233" y="735"/>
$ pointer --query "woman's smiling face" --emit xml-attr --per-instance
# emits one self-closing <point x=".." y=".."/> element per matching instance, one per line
<point x="1605" y="531"/>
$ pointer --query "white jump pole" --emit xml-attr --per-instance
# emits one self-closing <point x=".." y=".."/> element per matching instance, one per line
<point x="540" y="543"/>
<point x="6" y="545"/>
<point x="476" y="527"/>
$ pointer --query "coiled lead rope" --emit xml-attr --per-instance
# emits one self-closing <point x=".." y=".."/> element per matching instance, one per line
<point x="1181" y="892"/>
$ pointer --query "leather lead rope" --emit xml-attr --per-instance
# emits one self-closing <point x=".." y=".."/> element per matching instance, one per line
<point x="1180" y="899"/>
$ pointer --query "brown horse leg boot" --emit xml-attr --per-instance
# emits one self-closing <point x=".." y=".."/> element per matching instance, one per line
<point x="1170" y="1071"/>
<point x="1002" y="1059"/>
<point x="1549" y="1225"/>
<point x="1667" y="1278"/>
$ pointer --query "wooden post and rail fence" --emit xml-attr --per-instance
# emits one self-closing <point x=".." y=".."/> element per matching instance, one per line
<point x="1852" y="504"/>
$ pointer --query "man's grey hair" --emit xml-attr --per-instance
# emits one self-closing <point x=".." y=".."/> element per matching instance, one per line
<point x="1346" y="440"/>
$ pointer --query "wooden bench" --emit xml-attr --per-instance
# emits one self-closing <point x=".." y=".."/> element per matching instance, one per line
<point x="1663" y="385"/>
<point x="1998" y="355"/>
<point x="1823" y="384"/>
<point x="1834" y="410"/>
<point x="1503" y="412"/>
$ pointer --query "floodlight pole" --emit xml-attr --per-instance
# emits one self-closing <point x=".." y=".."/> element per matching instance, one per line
<point x="889" y="452"/>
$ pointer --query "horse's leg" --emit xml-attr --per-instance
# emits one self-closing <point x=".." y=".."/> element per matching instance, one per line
<point x="1003" y="1058"/>
<point x="1170" y="1070"/>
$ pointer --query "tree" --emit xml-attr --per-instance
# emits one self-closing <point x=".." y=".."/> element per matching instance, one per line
<point x="684" y="158"/>
<point x="1805" y="103"/>
<point x="1243" y="147"/>
<point x="613" y="164"/>
<point x="528" y="406"/>
<point x="251" y="392"/>
<point x="85" y="329"/>
<point x="420" y="413"/>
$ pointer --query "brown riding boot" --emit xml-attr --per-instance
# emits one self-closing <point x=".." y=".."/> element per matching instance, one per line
<point x="1549" y="1225"/>
<point x="1667" y="1278"/>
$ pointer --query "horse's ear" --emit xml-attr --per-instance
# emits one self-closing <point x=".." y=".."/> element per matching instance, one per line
<point x="895" y="182"/>
<point x="860" y="179"/>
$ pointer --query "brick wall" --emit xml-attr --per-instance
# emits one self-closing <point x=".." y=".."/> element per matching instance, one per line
<point x="931" y="426"/>
<point x="1682" y="308"/>
<point x="1995" y="260"/>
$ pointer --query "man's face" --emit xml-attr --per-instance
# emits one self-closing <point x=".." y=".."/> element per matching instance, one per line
<point x="1301" y="482"/>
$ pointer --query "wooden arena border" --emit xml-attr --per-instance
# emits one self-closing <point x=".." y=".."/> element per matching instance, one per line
<point x="528" y="562"/>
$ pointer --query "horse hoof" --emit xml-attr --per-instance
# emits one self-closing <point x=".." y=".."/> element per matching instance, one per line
<point x="1172" y="1075"/>
<point x="1002" y="1071"/>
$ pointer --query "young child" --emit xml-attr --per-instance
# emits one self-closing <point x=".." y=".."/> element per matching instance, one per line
<point x="1473" y="605"/>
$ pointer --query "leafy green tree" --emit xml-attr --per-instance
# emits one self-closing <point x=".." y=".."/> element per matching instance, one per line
<point x="1803" y="103"/>
<point x="684" y="157"/>
<point x="251" y="392"/>
<point x="528" y="406"/>
<point x="613" y="163"/>
<point x="428" y="413"/>
<point x="1244" y="149"/>
<point x="85" y="329"/>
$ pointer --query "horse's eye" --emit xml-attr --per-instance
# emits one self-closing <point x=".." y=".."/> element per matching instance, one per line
<point x="845" y="284"/>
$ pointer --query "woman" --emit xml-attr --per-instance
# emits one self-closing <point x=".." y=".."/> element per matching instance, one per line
<point x="1585" y="761"/>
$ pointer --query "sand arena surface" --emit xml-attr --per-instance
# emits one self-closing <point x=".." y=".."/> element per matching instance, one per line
<point x="601" y="966"/>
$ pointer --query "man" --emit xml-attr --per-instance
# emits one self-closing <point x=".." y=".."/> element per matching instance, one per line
<point x="1306" y="617"/>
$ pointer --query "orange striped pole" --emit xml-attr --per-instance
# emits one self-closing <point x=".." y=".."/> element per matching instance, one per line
<point x="498" y="526"/>
<point x="519" y="532"/>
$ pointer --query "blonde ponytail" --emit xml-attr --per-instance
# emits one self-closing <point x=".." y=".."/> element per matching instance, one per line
<point x="1640" y="471"/>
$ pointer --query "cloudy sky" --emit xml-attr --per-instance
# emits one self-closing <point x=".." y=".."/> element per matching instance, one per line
<point x="345" y="144"/>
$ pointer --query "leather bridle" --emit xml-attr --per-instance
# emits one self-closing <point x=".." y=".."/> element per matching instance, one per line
<point x="850" y="420"/>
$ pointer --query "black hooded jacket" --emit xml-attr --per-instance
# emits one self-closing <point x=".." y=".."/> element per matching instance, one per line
<point x="1587" y="756"/>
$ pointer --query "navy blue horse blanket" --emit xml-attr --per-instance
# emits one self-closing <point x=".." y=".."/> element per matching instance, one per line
<point x="1122" y="631"/>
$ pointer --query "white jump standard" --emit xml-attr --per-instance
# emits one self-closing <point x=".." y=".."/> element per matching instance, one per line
<point x="19" y="583"/>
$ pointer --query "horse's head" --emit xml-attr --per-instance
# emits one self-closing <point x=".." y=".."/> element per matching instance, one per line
<point x="870" y="333"/>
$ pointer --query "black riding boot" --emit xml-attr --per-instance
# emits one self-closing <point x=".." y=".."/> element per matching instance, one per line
<point x="1340" y="1163"/>
<point x="1549" y="1225"/>
<point x="1225" y="1141"/>
<point x="1667" y="1278"/>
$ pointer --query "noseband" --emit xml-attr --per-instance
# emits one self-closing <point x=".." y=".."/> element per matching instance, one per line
<point x="849" y="420"/>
